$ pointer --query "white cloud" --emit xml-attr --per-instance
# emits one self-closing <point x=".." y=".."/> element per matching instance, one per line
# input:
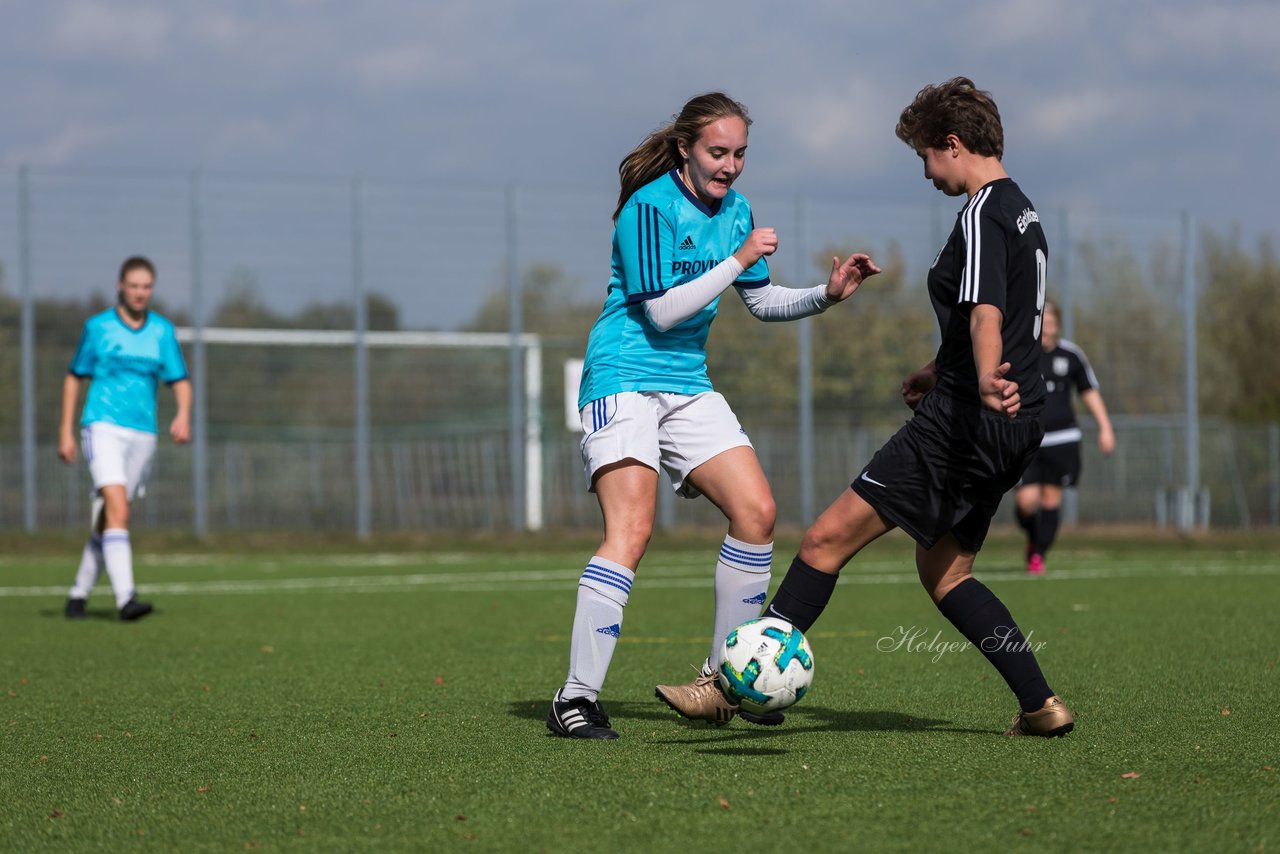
<point x="1023" y="22"/>
<point x="1241" y="34"/>
<point x="506" y="89"/>
<point x="404" y="67"/>
<point x="64" y="146"/>
<point x="217" y="28"/>
<point x="1075" y="114"/>
<point x="127" y="32"/>
<point x="252" y="134"/>
<point x="843" y="126"/>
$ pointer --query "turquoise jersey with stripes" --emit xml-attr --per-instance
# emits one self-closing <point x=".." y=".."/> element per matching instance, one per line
<point x="665" y="237"/>
<point x="125" y="366"/>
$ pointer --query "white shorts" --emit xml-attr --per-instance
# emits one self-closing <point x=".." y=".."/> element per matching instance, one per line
<point x="118" y="456"/>
<point x="678" y="432"/>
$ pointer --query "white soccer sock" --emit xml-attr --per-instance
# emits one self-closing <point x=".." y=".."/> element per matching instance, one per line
<point x="742" y="585"/>
<point x="603" y="591"/>
<point x="117" y="553"/>
<point x="91" y="564"/>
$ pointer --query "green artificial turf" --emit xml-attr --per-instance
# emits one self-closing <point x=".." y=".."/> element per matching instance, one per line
<point x="347" y="699"/>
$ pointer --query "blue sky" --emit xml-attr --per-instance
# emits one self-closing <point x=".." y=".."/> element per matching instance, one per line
<point x="1149" y="107"/>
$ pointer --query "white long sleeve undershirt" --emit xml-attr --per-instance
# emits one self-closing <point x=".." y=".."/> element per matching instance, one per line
<point x="682" y="302"/>
<point x="768" y="302"/>
<point x="772" y="302"/>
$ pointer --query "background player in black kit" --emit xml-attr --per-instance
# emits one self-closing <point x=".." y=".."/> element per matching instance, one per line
<point x="977" y="405"/>
<point x="1056" y="465"/>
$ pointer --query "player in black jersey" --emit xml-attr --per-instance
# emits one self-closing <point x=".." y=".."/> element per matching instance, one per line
<point x="977" y="405"/>
<point x="1056" y="465"/>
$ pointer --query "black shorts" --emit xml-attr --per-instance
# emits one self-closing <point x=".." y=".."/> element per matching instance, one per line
<point x="1056" y="465"/>
<point x="948" y="467"/>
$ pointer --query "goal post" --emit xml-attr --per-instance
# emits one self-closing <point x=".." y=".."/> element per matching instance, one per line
<point x="529" y="343"/>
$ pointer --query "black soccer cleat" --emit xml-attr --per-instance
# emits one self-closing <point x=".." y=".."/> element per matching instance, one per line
<point x="135" y="609"/>
<point x="75" y="609"/>
<point x="578" y="718"/>
<point x="762" y="718"/>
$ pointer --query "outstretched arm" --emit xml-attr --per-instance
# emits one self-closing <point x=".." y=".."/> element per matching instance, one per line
<point x="772" y="303"/>
<point x="845" y="277"/>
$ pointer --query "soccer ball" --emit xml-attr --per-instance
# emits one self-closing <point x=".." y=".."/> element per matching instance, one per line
<point x="766" y="666"/>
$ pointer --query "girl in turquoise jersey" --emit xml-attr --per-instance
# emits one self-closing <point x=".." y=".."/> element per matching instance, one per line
<point x="123" y="354"/>
<point x="682" y="237"/>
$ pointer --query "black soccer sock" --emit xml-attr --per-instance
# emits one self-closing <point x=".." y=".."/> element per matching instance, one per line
<point x="987" y="624"/>
<point x="803" y="594"/>
<point x="1046" y="529"/>
<point x="1026" y="521"/>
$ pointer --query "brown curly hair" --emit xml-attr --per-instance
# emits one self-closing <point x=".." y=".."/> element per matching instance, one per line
<point x="954" y="107"/>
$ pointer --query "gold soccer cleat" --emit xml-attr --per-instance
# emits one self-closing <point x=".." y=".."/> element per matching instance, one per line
<point x="699" y="700"/>
<point x="1052" y="719"/>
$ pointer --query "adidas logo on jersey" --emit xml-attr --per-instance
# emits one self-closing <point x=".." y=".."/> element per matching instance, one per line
<point x="687" y="244"/>
<point x="613" y="631"/>
<point x="757" y="599"/>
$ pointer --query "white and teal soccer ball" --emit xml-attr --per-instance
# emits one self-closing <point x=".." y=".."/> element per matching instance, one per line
<point x="766" y="665"/>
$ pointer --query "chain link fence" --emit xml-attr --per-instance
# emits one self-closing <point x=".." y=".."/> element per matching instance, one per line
<point x="342" y="434"/>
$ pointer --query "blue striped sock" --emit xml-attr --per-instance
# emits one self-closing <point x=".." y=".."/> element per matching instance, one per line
<point x="742" y="583"/>
<point x="603" y="591"/>
<point x="117" y="554"/>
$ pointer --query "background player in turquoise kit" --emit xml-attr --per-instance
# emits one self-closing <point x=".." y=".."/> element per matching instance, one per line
<point x="124" y="352"/>
<point x="682" y="237"/>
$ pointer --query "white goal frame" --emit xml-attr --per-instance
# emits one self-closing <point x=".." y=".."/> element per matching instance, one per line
<point x="529" y="343"/>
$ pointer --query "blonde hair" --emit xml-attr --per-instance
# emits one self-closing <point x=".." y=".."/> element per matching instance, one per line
<point x="659" y="153"/>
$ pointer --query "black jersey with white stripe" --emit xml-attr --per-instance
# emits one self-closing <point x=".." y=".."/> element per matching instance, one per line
<point x="996" y="255"/>
<point x="1065" y="368"/>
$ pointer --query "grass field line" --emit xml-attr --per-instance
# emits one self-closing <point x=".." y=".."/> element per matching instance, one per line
<point x="479" y="581"/>
<point x="384" y="559"/>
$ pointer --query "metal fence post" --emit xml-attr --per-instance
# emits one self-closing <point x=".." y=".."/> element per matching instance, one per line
<point x="533" y="462"/>
<point x="200" y="384"/>
<point x="515" y="364"/>
<point x="364" y="523"/>
<point x="1273" y="469"/>
<point x="804" y="341"/>
<point x="28" y="335"/>
<point x="1066" y="304"/>
<point x="1189" y="358"/>
<point x="1066" y="292"/>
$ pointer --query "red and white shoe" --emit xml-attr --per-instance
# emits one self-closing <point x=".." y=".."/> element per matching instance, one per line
<point x="1035" y="565"/>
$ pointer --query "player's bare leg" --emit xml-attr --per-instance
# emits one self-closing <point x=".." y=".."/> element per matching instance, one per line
<point x="628" y="495"/>
<point x="844" y="529"/>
